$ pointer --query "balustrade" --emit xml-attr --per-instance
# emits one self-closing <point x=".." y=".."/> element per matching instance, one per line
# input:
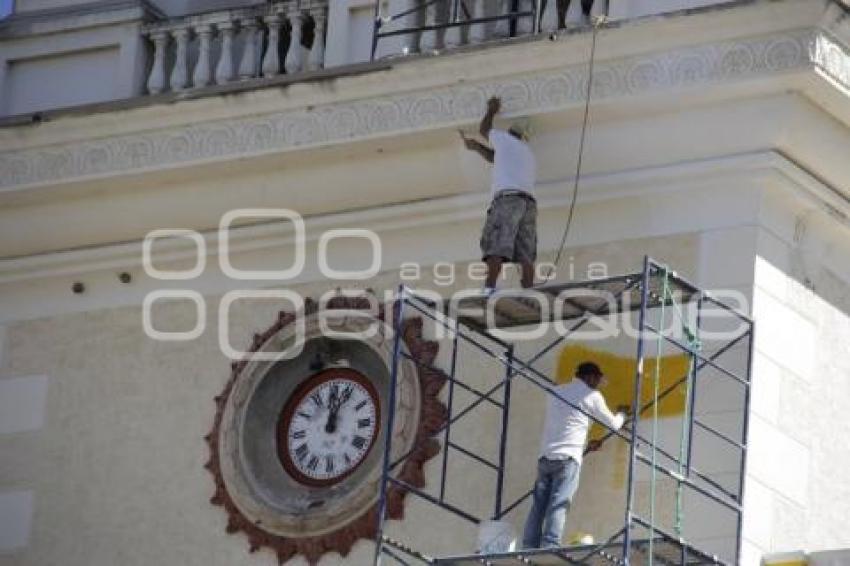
<point x="232" y="45"/>
<point x="289" y="36"/>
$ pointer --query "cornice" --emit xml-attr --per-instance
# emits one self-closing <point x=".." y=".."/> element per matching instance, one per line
<point x="688" y="67"/>
<point x="39" y="285"/>
<point x="641" y="182"/>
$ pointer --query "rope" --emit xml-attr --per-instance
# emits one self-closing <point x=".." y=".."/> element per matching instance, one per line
<point x="683" y="441"/>
<point x="582" y="137"/>
<point x="692" y="337"/>
<point x="693" y="341"/>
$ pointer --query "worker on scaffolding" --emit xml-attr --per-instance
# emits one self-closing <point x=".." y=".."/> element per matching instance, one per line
<point x="510" y="231"/>
<point x="562" y="446"/>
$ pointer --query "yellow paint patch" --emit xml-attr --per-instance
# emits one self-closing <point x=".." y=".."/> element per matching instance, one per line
<point x="619" y="384"/>
<point x="785" y="559"/>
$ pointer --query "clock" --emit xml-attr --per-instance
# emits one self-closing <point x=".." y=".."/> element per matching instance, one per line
<point x="296" y="445"/>
<point x="328" y="427"/>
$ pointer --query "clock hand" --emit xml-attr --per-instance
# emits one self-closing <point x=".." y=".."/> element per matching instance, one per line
<point x="333" y="408"/>
<point x="333" y="398"/>
<point x="330" y="425"/>
<point x="346" y="395"/>
<point x="335" y="403"/>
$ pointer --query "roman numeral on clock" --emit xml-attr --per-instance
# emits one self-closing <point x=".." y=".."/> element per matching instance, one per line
<point x="360" y="405"/>
<point x="364" y="423"/>
<point x="301" y="452"/>
<point x="313" y="463"/>
<point x="299" y="434"/>
<point x="317" y="399"/>
<point x="358" y="442"/>
<point x="329" y="464"/>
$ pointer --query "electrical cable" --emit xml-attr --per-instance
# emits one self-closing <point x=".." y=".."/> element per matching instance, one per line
<point x="582" y="137"/>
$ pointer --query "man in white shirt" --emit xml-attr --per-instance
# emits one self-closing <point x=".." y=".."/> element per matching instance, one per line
<point x="561" y="449"/>
<point x="510" y="231"/>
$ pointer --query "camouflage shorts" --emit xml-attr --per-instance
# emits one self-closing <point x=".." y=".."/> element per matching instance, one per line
<point x="510" y="230"/>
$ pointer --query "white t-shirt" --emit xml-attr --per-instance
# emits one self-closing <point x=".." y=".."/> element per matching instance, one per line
<point x="514" y="167"/>
<point x="565" y="429"/>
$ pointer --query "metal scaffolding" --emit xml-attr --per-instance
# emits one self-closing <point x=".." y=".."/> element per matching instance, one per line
<point x="656" y="287"/>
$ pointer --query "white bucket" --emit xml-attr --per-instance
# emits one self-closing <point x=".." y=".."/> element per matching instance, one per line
<point x="580" y="538"/>
<point x="495" y="537"/>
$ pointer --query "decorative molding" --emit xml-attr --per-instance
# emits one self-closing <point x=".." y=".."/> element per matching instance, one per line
<point x="832" y="58"/>
<point x="418" y="449"/>
<point x="688" y="67"/>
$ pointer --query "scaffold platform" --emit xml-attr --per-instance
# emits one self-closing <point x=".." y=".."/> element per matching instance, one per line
<point x="565" y="301"/>
<point x="665" y="552"/>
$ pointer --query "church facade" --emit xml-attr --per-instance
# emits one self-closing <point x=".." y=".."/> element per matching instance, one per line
<point x="183" y="187"/>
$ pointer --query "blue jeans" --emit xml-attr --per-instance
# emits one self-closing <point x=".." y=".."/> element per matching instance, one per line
<point x="557" y="482"/>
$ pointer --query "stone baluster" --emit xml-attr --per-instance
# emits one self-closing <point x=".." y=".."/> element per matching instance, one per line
<point x="575" y="14"/>
<point x="156" y="80"/>
<point x="271" y="60"/>
<point x="317" y="51"/>
<point x="203" y="68"/>
<point x="429" y="37"/>
<point x="293" y="62"/>
<point x="478" y="32"/>
<point x="180" y="73"/>
<point x="441" y="17"/>
<point x="549" y="19"/>
<point x="248" y="65"/>
<point x="453" y="36"/>
<point x="503" y="27"/>
<point x="225" y="72"/>
<point x="412" y="20"/>
<point x="599" y="8"/>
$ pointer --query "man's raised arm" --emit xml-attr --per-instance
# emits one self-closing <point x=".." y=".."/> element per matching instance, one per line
<point x="493" y="107"/>
<point x="477" y="147"/>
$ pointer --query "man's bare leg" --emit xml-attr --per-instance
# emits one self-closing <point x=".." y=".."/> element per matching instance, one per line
<point x="527" y="275"/>
<point x="494" y="268"/>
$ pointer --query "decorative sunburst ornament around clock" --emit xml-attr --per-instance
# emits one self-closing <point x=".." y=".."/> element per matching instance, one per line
<point x="296" y="446"/>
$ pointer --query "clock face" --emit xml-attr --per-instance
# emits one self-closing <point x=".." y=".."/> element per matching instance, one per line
<point x="328" y="427"/>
